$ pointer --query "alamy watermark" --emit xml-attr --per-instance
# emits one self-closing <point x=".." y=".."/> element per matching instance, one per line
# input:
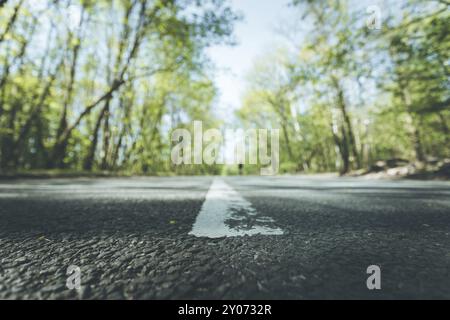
<point x="374" y="280"/>
<point x="73" y="281"/>
<point x="373" y="21"/>
<point x="238" y="147"/>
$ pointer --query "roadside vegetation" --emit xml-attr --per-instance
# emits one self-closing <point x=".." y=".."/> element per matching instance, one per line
<point x="95" y="87"/>
<point x="351" y="93"/>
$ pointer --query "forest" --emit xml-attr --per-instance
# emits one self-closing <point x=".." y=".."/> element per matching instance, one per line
<point x="97" y="86"/>
<point x="354" y="93"/>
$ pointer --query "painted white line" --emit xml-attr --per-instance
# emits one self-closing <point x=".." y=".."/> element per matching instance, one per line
<point x="226" y="214"/>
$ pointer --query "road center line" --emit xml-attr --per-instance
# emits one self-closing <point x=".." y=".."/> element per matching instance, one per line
<point x="226" y="214"/>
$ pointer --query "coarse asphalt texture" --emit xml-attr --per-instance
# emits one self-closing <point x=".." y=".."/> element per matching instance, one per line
<point x="130" y="238"/>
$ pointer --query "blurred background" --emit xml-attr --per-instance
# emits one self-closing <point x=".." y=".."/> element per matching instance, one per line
<point x="355" y="87"/>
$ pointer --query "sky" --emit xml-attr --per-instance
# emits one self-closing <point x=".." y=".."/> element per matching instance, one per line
<point x="256" y="34"/>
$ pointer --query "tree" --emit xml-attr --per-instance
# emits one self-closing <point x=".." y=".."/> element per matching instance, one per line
<point x="71" y="101"/>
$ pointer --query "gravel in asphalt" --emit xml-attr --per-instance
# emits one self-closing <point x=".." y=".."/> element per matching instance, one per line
<point x="130" y="238"/>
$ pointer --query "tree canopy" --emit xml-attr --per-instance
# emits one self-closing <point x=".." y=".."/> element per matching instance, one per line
<point x="95" y="84"/>
<point x="348" y="94"/>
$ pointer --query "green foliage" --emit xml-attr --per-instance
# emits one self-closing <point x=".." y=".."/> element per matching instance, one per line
<point x="347" y="96"/>
<point x="97" y="85"/>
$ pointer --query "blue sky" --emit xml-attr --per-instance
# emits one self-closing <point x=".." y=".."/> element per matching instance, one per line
<point x="256" y="34"/>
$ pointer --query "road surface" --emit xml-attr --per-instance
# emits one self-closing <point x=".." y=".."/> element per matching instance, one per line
<point x="286" y="237"/>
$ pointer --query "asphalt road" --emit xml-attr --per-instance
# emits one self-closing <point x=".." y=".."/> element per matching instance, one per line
<point x="287" y="237"/>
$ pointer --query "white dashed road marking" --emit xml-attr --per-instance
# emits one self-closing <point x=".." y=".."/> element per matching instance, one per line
<point x="226" y="214"/>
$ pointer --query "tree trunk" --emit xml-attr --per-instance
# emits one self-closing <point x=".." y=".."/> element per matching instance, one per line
<point x="11" y="21"/>
<point x="36" y="110"/>
<point x="89" y="160"/>
<point x="415" y="133"/>
<point x="119" y="80"/>
<point x="115" y="154"/>
<point x="444" y="128"/>
<point x="7" y="145"/>
<point x="342" y="145"/>
<point x="59" y="149"/>
<point x="106" y="139"/>
<point x="348" y="130"/>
